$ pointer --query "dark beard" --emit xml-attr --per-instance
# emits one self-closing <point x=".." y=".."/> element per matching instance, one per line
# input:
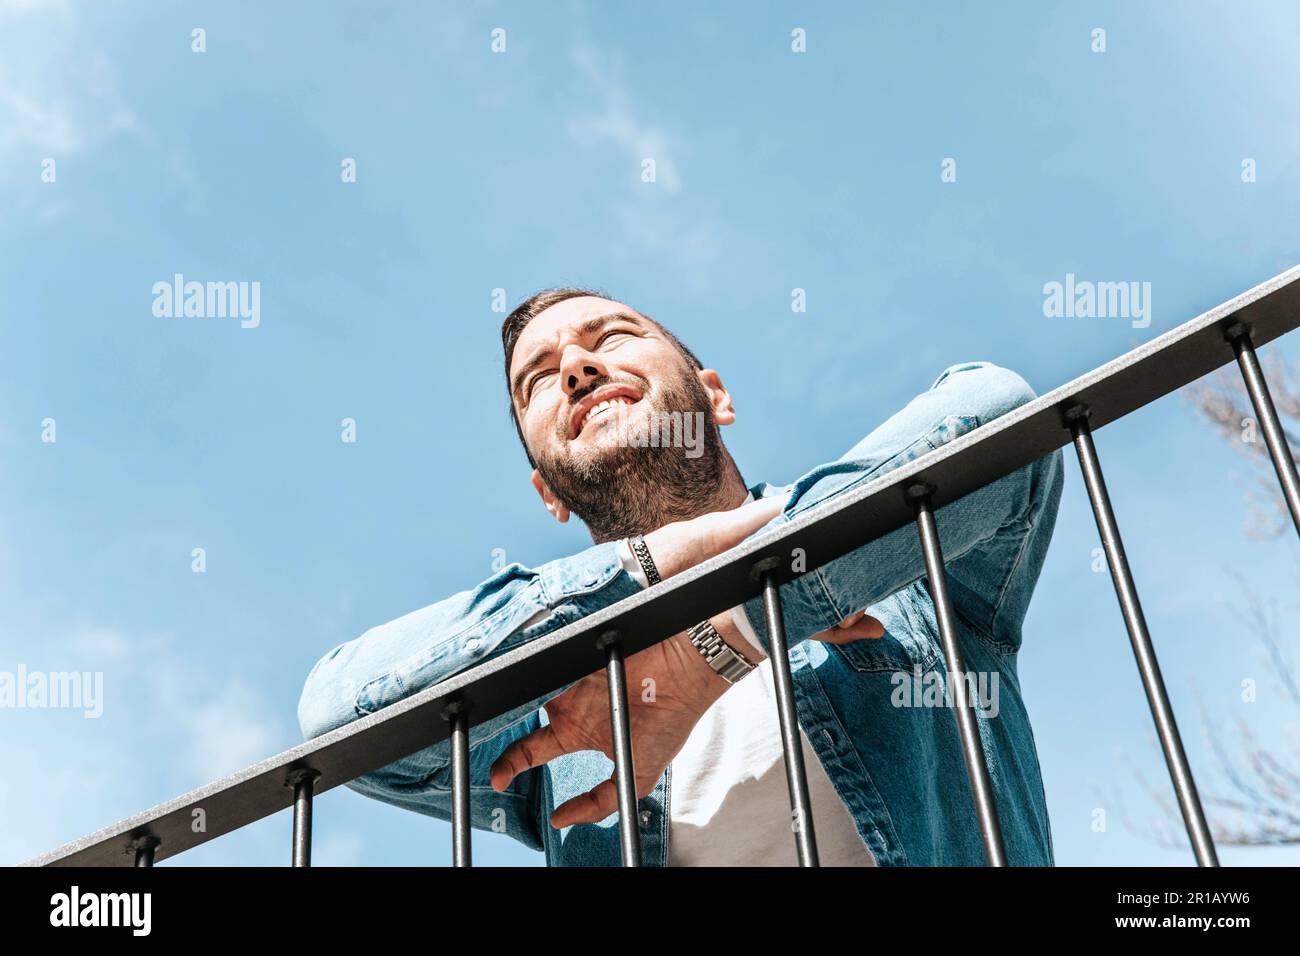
<point x="627" y="490"/>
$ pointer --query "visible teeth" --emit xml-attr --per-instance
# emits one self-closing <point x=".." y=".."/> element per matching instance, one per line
<point x="601" y="407"/>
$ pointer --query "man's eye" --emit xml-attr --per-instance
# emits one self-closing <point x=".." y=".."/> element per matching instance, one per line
<point x="532" y="384"/>
<point x="604" y="337"/>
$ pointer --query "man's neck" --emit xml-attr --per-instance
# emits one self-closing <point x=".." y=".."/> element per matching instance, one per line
<point x="731" y="493"/>
<point x="647" y="511"/>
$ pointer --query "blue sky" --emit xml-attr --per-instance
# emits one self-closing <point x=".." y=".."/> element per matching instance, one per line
<point x="479" y="171"/>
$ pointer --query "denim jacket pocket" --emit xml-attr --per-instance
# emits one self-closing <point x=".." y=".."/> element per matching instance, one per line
<point x="906" y="644"/>
<point x="954" y="426"/>
<point x="380" y="693"/>
<point x="942" y="432"/>
<point x="895" y="651"/>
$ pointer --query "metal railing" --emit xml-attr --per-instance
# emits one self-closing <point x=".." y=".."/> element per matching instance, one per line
<point x="911" y="493"/>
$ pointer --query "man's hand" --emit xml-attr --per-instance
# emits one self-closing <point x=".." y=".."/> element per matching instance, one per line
<point x="670" y="685"/>
<point x="856" y="626"/>
<point x="683" y="544"/>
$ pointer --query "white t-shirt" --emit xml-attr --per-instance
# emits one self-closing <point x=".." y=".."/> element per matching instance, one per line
<point x="729" y="803"/>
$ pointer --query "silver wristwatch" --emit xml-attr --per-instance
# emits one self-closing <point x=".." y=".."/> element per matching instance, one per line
<point x="717" y="652"/>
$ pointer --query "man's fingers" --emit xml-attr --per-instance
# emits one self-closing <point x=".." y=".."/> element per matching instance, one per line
<point x="734" y="526"/>
<point x="869" y="626"/>
<point x="525" y="753"/>
<point x="855" y="627"/>
<point x="864" y="624"/>
<point x="590" y="807"/>
<point x="756" y="515"/>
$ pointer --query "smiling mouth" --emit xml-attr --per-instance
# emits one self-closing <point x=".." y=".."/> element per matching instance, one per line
<point x="604" y="410"/>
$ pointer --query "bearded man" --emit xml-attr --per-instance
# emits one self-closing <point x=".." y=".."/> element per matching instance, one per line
<point x="591" y="381"/>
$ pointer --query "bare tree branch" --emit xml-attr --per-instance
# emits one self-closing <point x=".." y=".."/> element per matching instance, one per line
<point x="1261" y="805"/>
<point x="1222" y="400"/>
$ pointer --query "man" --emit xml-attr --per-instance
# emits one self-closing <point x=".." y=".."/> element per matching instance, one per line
<point x="591" y="380"/>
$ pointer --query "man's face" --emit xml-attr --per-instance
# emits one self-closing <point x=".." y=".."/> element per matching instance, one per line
<point x="585" y="372"/>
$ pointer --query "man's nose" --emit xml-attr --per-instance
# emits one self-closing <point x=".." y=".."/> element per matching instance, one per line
<point x="579" y="370"/>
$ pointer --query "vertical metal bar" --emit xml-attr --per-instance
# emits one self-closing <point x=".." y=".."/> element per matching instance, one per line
<point x="1283" y="461"/>
<point x="795" y="776"/>
<point x="144" y="849"/>
<point x="1189" y="802"/>
<point x="624" y="769"/>
<point x="457" y="713"/>
<point x="972" y="747"/>
<point x="302" y="780"/>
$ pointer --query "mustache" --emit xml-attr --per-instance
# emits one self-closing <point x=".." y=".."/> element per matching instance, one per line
<point x="577" y="397"/>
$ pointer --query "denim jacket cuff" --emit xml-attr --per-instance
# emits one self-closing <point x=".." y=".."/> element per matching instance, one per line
<point x="631" y="565"/>
<point x="586" y="573"/>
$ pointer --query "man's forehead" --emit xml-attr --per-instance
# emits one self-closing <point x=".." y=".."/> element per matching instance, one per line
<point x="562" y="317"/>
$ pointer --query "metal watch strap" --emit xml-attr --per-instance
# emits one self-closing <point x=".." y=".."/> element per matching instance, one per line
<point x="642" y="552"/>
<point x="720" y="655"/>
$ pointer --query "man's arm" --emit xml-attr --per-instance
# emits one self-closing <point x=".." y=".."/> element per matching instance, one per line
<point x="993" y="539"/>
<point x="404" y="656"/>
<point x="516" y="605"/>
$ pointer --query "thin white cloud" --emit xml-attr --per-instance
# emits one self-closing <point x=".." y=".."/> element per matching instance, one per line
<point x="58" y="93"/>
<point x="25" y="123"/>
<point x="166" y="727"/>
<point x="616" y="121"/>
<point x="51" y="111"/>
<point x="217" y="729"/>
<point x="26" y="6"/>
<point x="663" y="228"/>
<point x="101" y="644"/>
<point x="227" y="732"/>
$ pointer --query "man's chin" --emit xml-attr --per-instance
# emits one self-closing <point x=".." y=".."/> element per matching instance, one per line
<point x="602" y="458"/>
<point x="609" y="436"/>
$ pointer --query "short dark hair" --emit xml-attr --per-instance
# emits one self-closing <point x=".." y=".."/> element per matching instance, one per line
<point x="535" y="305"/>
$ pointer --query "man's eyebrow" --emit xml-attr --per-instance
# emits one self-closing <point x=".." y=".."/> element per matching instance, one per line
<point x="590" y="327"/>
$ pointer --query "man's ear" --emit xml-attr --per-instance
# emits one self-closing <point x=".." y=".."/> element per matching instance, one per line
<point x="553" y="504"/>
<point x="720" y="399"/>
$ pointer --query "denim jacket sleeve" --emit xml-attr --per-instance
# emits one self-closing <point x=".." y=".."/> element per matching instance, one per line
<point x="395" y="660"/>
<point x="993" y="538"/>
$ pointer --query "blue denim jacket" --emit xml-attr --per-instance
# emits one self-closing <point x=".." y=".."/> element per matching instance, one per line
<point x="874" y="710"/>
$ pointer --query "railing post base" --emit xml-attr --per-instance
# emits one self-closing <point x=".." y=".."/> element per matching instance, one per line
<point x="302" y="779"/>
